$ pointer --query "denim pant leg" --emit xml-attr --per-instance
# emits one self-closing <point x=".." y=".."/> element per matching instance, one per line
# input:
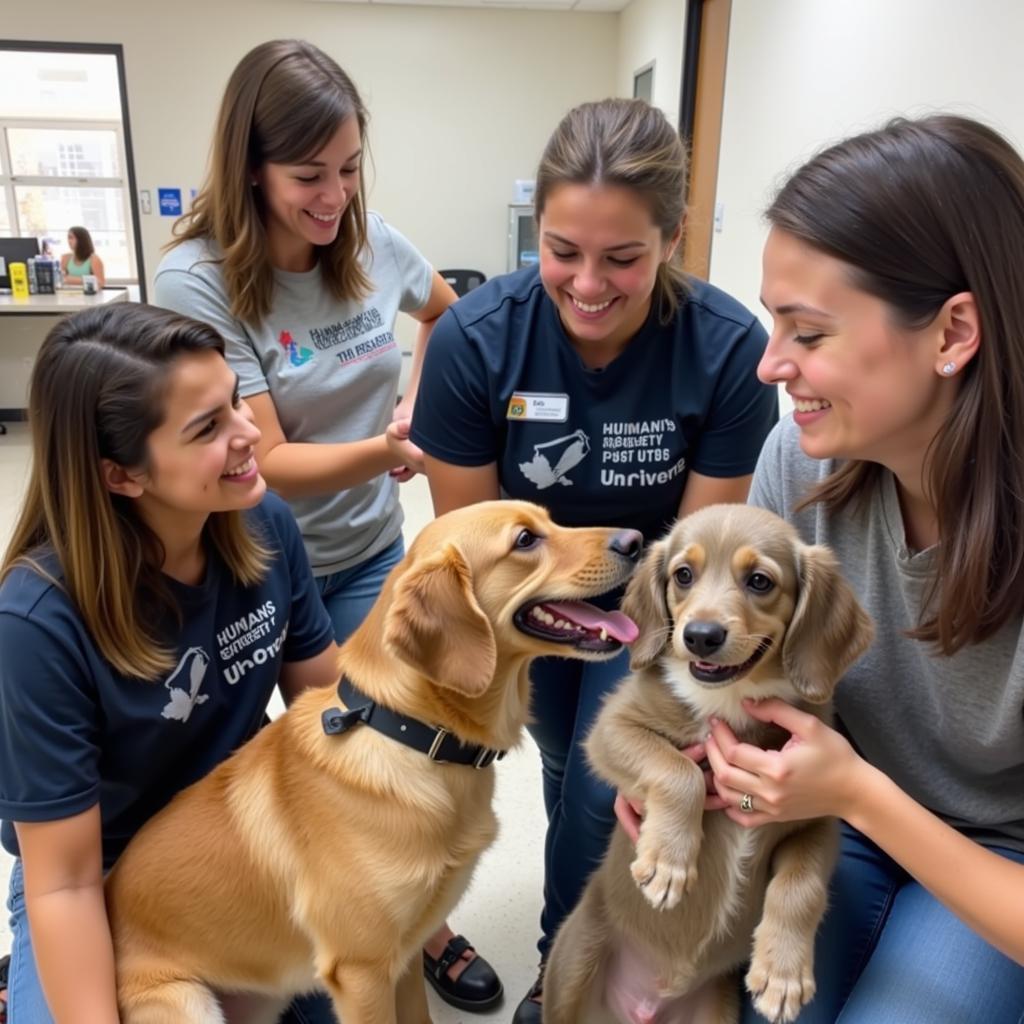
<point x="888" y="952"/>
<point x="349" y="595"/>
<point x="566" y="697"/>
<point x="929" y="966"/>
<point x="26" y="1003"/>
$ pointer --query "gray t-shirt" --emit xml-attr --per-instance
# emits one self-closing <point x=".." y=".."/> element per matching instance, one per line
<point x="948" y="731"/>
<point x="331" y="369"/>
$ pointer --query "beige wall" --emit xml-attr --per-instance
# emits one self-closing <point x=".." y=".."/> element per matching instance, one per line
<point x="802" y="73"/>
<point x="652" y="30"/>
<point x="461" y="100"/>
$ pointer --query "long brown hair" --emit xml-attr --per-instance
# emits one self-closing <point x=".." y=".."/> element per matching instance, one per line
<point x="283" y="103"/>
<point x="921" y="210"/>
<point x="97" y="393"/>
<point x="630" y="144"/>
<point x="83" y="247"/>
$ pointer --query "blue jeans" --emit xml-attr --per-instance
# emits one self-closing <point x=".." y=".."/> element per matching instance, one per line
<point x="888" y="952"/>
<point x="26" y="1003"/>
<point x="565" y="699"/>
<point x="349" y="595"/>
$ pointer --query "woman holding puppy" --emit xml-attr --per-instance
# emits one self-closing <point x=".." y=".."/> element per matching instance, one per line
<point x="152" y="596"/>
<point x="280" y="254"/>
<point x="607" y="386"/>
<point x="899" y="333"/>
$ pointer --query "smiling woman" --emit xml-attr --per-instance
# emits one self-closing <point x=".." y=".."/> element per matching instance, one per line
<point x="899" y="333"/>
<point x="281" y="255"/>
<point x="145" y="535"/>
<point x="607" y="386"/>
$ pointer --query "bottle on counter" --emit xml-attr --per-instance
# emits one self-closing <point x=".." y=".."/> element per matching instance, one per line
<point x="33" y="285"/>
<point x="18" y="274"/>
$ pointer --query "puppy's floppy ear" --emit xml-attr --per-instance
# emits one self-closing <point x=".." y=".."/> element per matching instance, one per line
<point x="435" y="625"/>
<point x="644" y="602"/>
<point x="829" y="629"/>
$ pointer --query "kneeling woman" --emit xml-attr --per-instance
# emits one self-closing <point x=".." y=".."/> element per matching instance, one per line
<point x="152" y="596"/>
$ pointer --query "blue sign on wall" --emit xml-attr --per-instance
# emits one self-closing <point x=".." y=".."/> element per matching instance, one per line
<point x="170" y="202"/>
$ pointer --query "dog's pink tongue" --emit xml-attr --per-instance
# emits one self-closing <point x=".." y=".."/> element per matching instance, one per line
<point x="618" y="625"/>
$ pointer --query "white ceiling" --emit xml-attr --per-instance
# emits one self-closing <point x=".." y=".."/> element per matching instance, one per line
<point x="584" y="6"/>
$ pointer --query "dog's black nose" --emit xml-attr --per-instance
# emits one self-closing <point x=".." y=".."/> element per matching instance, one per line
<point x="628" y="543"/>
<point x="703" y="638"/>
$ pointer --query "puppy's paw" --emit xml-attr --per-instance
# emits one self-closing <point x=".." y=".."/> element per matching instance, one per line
<point x="662" y="881"/>
<point x="779" y="995"/>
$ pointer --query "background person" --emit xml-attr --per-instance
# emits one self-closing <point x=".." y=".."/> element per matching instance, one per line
<point x="82" y="260"/>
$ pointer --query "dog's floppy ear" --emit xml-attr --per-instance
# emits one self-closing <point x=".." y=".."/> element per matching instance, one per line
<point x="644" y="602"/>
<point x="435" y="625"/>
<point x="829" y="629"/>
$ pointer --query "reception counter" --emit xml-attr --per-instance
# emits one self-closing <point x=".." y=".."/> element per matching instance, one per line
<point x="24" y="323"/>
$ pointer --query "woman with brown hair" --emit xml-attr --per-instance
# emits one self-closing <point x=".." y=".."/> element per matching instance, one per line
<point x="83" y="258"/>
<point x="148" y="571"/>
<point x="893" y="274"/>
<point x="609" y="387"/>
<point x="281" y="255"/>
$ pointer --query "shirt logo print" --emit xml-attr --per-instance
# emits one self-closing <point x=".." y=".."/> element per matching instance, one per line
<point x="296" y="355"/>
<point x="568" y="452"/>
<point x="194" y="662"/>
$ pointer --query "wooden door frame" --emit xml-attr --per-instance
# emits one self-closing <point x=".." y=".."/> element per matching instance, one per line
<point x="702" y="98"/>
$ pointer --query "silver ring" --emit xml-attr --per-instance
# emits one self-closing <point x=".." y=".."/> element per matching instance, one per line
<point x="747" y="803"/>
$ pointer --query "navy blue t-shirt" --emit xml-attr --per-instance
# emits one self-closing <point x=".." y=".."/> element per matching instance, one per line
<point x="502" y="383"/>
<point x="74" y="732"/>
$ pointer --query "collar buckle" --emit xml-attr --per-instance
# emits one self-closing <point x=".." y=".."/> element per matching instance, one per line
<point x="487" y="756"/>
<point x="435" y="748"/>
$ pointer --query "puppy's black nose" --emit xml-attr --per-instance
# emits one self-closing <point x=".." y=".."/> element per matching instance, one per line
<point x="628" y="543"/>
<point x="703" y="638"/>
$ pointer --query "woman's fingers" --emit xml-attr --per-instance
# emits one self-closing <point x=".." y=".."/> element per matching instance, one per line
<point x="630" y="815"/>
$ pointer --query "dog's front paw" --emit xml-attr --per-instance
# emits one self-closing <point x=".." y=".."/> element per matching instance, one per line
<point x="662" y="881"/>
<point x="779" y="995"/>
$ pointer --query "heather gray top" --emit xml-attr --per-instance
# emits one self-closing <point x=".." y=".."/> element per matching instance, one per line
<point x="331" y="368"/>
<point x="949" y="731"/>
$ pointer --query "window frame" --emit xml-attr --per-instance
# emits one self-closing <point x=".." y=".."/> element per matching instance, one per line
<point x="126" y="182"/>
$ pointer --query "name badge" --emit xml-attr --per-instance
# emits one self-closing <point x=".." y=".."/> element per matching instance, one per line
<point x="538" y="406"/>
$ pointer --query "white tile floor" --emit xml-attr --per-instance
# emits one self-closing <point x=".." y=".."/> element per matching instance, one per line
<point x="500" y="911"/>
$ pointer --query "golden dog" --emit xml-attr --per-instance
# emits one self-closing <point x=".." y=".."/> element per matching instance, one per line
<point x="730" y="605"/>
<point x="325" y="851"/>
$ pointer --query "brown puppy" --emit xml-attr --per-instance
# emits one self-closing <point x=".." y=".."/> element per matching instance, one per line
<point x="325" y="852"/>
<point x="730" y="605"/>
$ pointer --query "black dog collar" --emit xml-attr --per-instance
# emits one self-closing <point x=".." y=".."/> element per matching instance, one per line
<point x="438" y="744"/>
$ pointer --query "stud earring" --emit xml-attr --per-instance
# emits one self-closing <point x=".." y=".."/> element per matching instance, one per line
<point x="949" y="369"/>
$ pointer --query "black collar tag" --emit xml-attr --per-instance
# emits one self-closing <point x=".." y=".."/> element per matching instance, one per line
<point x="337" y="721"/>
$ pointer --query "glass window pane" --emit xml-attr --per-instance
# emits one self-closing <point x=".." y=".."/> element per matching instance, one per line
<point x="49" y="212"/>
<point x="5" y="216"/>
<point x="65" y="153"/>
<point x="59" y="85"/>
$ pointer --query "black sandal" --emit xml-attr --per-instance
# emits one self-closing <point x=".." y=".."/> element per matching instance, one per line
<point x="476" y="989"/>
<point x="5" y="968"/>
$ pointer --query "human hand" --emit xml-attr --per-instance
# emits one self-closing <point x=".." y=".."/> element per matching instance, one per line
<point x="410" y="455"/>
<point x="403" y="411"/>
<point x="630" y="811"/>
<point x="815" y="774"/>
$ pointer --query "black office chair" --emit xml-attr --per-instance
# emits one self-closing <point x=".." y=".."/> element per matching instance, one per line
<point x="463" y="281"/>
